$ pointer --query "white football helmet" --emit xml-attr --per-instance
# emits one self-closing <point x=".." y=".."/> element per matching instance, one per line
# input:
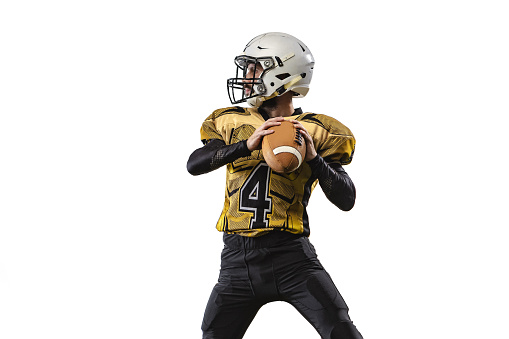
<point x="287" y="65"/>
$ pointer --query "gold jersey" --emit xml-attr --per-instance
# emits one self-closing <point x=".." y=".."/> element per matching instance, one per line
<point x="257" y="199"/>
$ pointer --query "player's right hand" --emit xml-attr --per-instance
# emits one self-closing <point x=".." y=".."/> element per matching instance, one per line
<point x="255" y="140"/>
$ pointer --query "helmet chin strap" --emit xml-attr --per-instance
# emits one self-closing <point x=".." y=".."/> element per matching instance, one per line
<point x="258" y="101"/>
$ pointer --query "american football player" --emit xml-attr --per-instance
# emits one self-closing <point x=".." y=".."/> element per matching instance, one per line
<point x="267" y="255"/>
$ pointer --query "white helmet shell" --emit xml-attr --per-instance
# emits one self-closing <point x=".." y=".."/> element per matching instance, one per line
<point x="287" y="66"/>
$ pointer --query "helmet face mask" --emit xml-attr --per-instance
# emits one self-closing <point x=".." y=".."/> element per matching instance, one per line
<point x="271" y="65"/>
<point x="250" y="84"/>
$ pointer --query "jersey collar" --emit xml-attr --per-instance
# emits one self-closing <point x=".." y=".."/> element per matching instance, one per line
<point x="264" y="115"/>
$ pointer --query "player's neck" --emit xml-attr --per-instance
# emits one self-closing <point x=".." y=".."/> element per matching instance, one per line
<point x="281" y="106"/>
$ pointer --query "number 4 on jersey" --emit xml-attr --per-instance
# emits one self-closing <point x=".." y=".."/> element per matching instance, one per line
<point x="254" y="196"/>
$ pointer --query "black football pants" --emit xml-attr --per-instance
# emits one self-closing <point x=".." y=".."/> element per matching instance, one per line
<point x="277" y="266"/>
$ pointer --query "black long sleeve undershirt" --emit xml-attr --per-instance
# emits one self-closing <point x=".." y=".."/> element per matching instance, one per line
<point x="334" y="181"/>
<point x="215" y="154"/>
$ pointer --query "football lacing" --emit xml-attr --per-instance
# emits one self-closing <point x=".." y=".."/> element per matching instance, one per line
<point x="298" y="137"/>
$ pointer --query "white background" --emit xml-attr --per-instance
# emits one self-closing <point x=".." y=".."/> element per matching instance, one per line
<point x="104" y="234"/>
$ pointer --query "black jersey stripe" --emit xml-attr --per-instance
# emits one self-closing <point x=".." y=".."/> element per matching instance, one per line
<point x="240" y="168"/>
<point x="234" y="109"/>
<point x="311" y="119"/>
<point x="282" y="197"/>
<point x="232" y="192"/>
<point x="305" y="200"/>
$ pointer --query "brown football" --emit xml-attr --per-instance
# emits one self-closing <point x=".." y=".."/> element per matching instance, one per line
<point x="285" y="149"/>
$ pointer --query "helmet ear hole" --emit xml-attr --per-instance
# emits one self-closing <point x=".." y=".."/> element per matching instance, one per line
<point x="283" y="76"/>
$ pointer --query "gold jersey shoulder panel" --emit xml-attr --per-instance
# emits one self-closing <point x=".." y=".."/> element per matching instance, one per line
<point x="218" y="125"/>
<point x="258" y="200"/>
<point x="333" y="140"/>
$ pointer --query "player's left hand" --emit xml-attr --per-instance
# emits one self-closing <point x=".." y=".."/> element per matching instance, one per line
<point x="310" y="146"/>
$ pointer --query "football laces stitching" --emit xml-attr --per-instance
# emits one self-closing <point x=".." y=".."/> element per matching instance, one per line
<point x="298" y="137"/>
